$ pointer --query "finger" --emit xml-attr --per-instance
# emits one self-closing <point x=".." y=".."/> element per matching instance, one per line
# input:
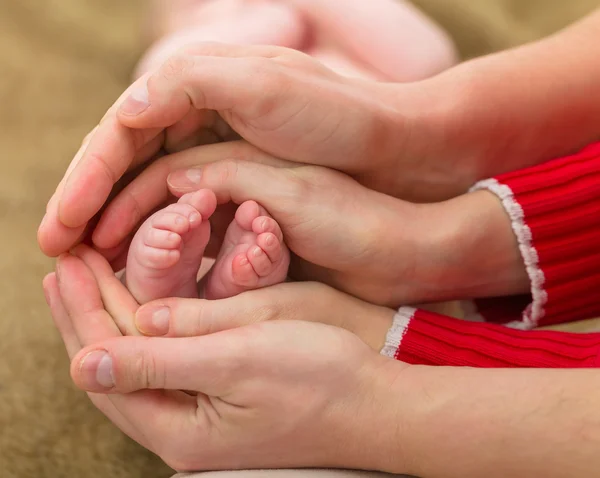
<point x="150" y="190"/>
<point x="240" y="181"/>
<point x="211" y="365"/>
<point x="151" y="417"/>
<point x="115" y="297"/>
<point x="65" y="327"/>
<point x="81" y="320"/>
<point x="82" y="301"/>
<point x="111" y="150"/>
<point x="60" y="316"/>
<point x="109" y="155"/>
<point x="192" y="318"/>
<point x="215" y="77"/>
<point x="54" y="238"/>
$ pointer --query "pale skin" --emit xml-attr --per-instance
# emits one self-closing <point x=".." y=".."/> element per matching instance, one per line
<point x="487" y="422"/>
<point x="363" y="127"/>
<point x="312" y="208"/>
<point x="425" y="421"/>
<point x="166" y="253"/>
<point x="391" y="40"/>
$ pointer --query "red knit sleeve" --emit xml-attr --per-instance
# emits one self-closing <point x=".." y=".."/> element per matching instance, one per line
<point x="555" y="212"/>
<point x="426" y="338"/>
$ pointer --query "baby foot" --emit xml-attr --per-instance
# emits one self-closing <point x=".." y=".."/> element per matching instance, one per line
<point x="166" y="252"/>
<point x="253" y="255"/>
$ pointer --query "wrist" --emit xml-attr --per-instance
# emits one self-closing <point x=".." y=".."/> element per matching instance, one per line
<point x="472" y="251"/>
<point x="431" y="152"/>
<point x="383" y="436"/>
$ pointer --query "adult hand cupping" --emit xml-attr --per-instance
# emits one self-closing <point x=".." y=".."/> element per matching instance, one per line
<point x="274" y="394"/>
<point x="280" y="100"/>
<point x="343" y="233"/>
<point x="376" y="247"/>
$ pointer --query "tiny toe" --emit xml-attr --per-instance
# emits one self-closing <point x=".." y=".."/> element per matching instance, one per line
<point x="242" y="271"/>
<point x="261" y="263"/>
<point x="155" y="258"/>
<point x="186" y="210"/>
<point x="204" y="201"/>
<point x="171" y="221"/>
<point x="162" y="239"/>
<point x="263" y="224"/>
<point x="247" y="213"/>
<point x="269" y="243"/>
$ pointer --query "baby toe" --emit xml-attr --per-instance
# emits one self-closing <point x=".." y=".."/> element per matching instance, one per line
<point x="242" y="271"/>
<point x="204" y="201"/>
<point x="247" y="213"/>
<point x="264" y="224"/>
<point x="155" y="258"/>
<point x="171" y="221"/>
<point x="162" y="239"/>
<point x="261" y="263"/>
<point x="271" y="246"/>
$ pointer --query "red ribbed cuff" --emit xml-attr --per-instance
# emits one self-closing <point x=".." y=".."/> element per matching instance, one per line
<point x="426" y="338"/>
<point x="555" y="212"/>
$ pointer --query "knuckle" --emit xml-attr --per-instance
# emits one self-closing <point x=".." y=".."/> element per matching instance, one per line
<point x="177" y="66"/>
<point x="271" y="78"/>
<point x="146" y="372"/>
<point x="222" y="172"/>
<point x="266" y="313"/>
<point x="196" y="322"/>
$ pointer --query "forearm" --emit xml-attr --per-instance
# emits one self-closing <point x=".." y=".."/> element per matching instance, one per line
<point x="531" y="231"/>
<point x="475" y="251"/>
<point x="509" y="110"/>
<point x="495" y="423"/>
<point x="420" y="337"/>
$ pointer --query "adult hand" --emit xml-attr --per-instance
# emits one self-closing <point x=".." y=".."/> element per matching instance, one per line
<point x="274" y="394"/>
<point x="342" y="233"/>
<point x="278" y="406"/>
<point x="379" y="248"/>
<point x="280" y="100"/>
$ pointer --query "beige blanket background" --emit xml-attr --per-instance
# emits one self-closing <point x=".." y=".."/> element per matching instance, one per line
<point x="62" y="63"/>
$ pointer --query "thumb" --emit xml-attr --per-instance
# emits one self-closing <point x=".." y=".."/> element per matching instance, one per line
<point x="209" y="365"/>
<point x="208" y="76"/>
<point x="239" y="181"/>
<point x="193" y="317"/>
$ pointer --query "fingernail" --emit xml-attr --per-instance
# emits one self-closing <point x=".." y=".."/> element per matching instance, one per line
<point x="185" y="178"/>
<point x="96" y="369"/>
<point x="154" y="322"/>
<point x="138" y="100"/>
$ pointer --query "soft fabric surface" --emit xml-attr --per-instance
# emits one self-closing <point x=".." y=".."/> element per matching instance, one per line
<point x="63" y="63"/>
